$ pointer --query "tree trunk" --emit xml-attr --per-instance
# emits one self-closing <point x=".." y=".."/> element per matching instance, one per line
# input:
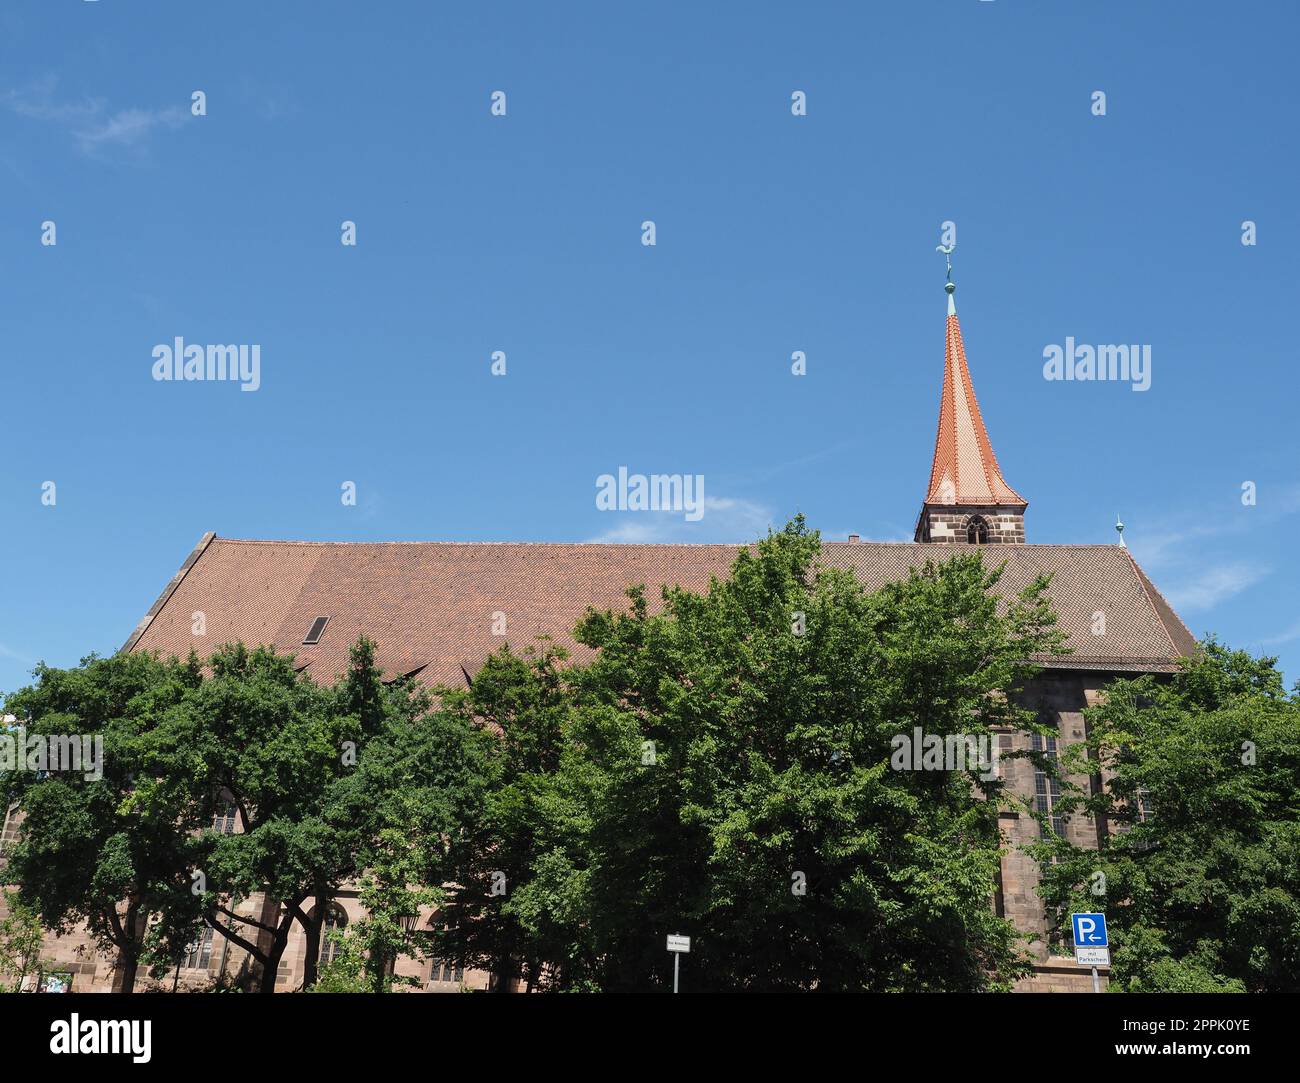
<point x="128" y="935"/>
<point x="128" y="962"/>
<point x="505" y="971"/>
<point x="271" y="964"/>
<point x="313" y="930"/>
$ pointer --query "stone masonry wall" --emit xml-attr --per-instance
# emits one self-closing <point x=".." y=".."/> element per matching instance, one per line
<point x="947" y="525"/>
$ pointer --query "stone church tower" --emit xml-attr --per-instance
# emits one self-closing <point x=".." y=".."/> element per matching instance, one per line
<point x="968" y="501"/>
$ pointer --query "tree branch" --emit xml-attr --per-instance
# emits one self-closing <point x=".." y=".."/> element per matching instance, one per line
<point x="246" y="920"/>
<point x="235" y="938"/>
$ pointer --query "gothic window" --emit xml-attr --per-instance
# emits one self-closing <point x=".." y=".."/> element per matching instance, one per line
<point x="200" y="953"/>
<point x="1047" y="788"/>
<point x="1144" y="809"/>
<point x="977" y="531"/>
<point x="224" y="821"/>
<point x="443" y="969"/>
<point x="335" y="921"/>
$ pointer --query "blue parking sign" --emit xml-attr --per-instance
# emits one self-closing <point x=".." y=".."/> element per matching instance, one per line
<point x="1089" y="930"/>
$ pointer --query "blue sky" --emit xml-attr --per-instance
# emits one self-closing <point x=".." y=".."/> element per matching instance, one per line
<point x="522" y="233"/>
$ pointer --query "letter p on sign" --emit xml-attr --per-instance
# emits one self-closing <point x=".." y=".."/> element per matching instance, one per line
<point x="1090" y="930"/>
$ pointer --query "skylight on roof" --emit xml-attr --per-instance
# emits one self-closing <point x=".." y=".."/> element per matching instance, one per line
<point x="317" y="630"/>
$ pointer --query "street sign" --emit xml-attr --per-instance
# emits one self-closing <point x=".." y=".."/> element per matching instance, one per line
<point x="679" y="946"/>
<point x="1090" y="930"/>
<point x="1091" y="944"/>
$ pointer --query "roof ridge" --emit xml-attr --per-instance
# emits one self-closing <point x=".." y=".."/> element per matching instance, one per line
<point x="938" y="548"/>
<point x="1149" y="589"/>
<point x="170" y="589"/>
<point x="534" y="544"/>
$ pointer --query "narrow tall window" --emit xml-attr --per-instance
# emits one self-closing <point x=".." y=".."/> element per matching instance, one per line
<point x="335" y="920"/>
<point x="977" y="531"/>
<point x="441" y="970"/>
<point x="1144" y="807"/>
<point x="1047" y="788"/>
<point x="200" y="953"/>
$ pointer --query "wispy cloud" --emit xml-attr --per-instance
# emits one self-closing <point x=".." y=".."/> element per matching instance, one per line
<point x="129" y="127"/>
<point x="725" y="519"/>
<point x="91" y="122"/>
<point x="9" y="652"/>
<point x="1200" y="561"/>
<point x="1208" y="587"/>
<point x="1288" y="636"/>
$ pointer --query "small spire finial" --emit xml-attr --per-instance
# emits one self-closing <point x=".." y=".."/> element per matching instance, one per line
<point x="949" y="287"/>
<point x="946" y="249"/>
<point x="1119" y="529"/>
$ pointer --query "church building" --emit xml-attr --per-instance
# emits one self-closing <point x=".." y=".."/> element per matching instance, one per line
<point x="433" y="608"/>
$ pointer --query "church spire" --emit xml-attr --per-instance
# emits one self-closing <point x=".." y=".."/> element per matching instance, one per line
<point x="968" y="500"/>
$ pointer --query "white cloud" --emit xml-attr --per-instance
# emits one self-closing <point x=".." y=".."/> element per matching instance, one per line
<point x="89" y="120"/>
<point x="1210" y="586"/>
<point x="1201" y="558"/>
<point x="128" y="127"/>
<point x="1289" y="635"/>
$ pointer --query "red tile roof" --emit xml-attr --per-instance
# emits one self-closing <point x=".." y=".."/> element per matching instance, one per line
<point x="965" y="470"/>
<point x="430" y="605"/>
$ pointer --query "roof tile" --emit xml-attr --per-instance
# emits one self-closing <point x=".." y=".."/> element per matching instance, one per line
<point x="430" y="606"/>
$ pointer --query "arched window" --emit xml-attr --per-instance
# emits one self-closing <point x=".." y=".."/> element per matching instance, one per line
<point x="977" y="531"/>
<point x="335" y="921"/>
<point x="224" y="820"/>
<point x="441" y="970"/>
<point x="200" y="952"/>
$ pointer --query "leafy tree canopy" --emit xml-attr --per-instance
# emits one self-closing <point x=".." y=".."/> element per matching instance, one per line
<point x="722" y="769"/>
<point x="1200" y="879"/>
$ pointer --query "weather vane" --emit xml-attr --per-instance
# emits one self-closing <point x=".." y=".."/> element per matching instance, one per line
<point x="946" y="249"/>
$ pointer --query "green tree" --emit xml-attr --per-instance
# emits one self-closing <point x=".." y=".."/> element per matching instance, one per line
<point x="418" y="790"/>
<point x="722" y="769"/>
<point x="492" y="920"/>
<point x="21" y="939"/>
<point x="346" y="971"/>
<point x="265" y="737"/>
<point x="88" y="851"/>
<point x="311" y="795"/>
<point x="1200" y="874"/>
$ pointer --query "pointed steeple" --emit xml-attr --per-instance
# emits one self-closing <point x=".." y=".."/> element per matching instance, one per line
<point x="968" y="499"/>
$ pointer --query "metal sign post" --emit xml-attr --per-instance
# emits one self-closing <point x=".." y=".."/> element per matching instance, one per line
<point x="679" y="946"/>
